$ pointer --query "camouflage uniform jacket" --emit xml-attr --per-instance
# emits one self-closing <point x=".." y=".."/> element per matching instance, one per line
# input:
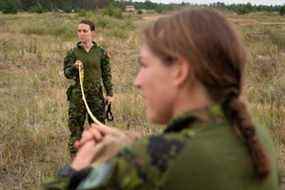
<point x="96" y="64"/>
<point x="197" y="151"/>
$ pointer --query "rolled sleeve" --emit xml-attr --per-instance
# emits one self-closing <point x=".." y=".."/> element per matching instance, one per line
<point x="70" y="71"/>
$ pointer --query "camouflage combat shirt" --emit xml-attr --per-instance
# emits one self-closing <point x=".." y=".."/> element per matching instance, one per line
<point x="96" y="64"/>
<point x="197" y="151"/>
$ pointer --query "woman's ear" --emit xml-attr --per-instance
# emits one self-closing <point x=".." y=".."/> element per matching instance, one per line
<point x="182" y="72"/>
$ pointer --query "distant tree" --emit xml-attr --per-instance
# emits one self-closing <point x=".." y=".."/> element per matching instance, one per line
<point x="220" y="4"/>
<point x="282" y="10"/>
<point x="27" y="4"/>
<point x="159" y="9"/>
<point x="8" y="6"/>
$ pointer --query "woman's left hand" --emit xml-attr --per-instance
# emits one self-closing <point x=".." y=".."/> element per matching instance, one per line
<point x="109" y="99"/>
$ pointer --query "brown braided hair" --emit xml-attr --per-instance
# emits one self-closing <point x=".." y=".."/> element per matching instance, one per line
<point x="210" y="44"/>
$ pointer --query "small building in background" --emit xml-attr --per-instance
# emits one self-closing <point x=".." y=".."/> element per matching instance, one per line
<point x="130" y="8"/>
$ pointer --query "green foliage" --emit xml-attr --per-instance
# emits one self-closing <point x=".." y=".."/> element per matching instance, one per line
<point x="242" y="9"/>
<point x="246" y="8"/>
<point x="118" y="28"/>
<point x="8" y="6"/>
<point x="140" y="11"/>
<point x="38" y="8"/>
<point x="114" y="8"/>
<point x="157" y="7"/>
<point x="103" y="22"/>
<point x="113" y="11"/>
<point x="282" y="10"/>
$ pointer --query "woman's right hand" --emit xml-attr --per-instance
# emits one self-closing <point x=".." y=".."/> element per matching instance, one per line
<point x="97" y="133"/>
<point x="77" y="64"/>
<point x="99" y="144"/>
<point x="106" y="141"/>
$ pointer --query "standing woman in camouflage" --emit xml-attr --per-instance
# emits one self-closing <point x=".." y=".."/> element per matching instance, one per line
<point x="96" y="65"/>
<point x="191" y="76"/>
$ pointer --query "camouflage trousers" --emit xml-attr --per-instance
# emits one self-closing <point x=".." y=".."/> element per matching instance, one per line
<point x="77" y="112"/>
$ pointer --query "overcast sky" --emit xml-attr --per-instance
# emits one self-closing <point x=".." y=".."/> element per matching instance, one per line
<point x="256" y="2"/>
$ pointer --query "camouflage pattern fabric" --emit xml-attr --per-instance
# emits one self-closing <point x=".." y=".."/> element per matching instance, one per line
<point x="198" y="150"/>
<point x="97" y="71"/>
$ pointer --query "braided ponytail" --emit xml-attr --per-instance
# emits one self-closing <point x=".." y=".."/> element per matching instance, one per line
<point x="236" y="112"/>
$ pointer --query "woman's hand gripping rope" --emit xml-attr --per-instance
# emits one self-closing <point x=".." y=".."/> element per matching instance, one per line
<point x="99" y="144"/>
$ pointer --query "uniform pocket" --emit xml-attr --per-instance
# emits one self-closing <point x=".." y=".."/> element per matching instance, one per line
<point x="68" y="92"/>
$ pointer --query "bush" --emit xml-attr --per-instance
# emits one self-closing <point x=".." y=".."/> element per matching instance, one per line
<point x="102" y="22"/>
<point x="159" y="9"/>
<point x="140" y="12"/>
<point x="113" y="11"/>
<point x="9" y="7"/>
<point x="37" y="9"/>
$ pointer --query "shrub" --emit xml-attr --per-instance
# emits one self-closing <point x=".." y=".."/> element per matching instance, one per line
<point x="102" y="22"/>
<point x="37" y="9"/>
<point x="113" y="11"/>
<point x="9" y="7"/>
<point x="140" y="12"/>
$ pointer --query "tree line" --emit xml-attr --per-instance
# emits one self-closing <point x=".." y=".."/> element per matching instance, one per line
<point x="13" y="6"/>
<point x="248" y="8"/>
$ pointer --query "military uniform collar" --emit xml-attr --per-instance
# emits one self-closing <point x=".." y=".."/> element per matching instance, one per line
<point x="80" y="45"/>
<point x="187" y="119"/>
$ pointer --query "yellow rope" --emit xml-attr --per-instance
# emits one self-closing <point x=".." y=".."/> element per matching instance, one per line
<point x="81" y="79"/>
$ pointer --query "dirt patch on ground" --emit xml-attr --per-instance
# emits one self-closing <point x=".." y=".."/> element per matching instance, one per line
<point x="152" y="17"/>
<point x="243" y="22"/>
<point x="252" y="22"/>
<point x="4" y="67"/>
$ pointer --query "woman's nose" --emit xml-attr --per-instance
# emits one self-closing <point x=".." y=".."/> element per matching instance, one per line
<point x="137" y="81"/>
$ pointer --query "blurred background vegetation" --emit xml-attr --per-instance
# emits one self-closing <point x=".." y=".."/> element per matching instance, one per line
<point x="40" y="6"/>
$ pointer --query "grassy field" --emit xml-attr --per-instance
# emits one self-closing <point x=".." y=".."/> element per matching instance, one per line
<point x="33" y="106"/>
